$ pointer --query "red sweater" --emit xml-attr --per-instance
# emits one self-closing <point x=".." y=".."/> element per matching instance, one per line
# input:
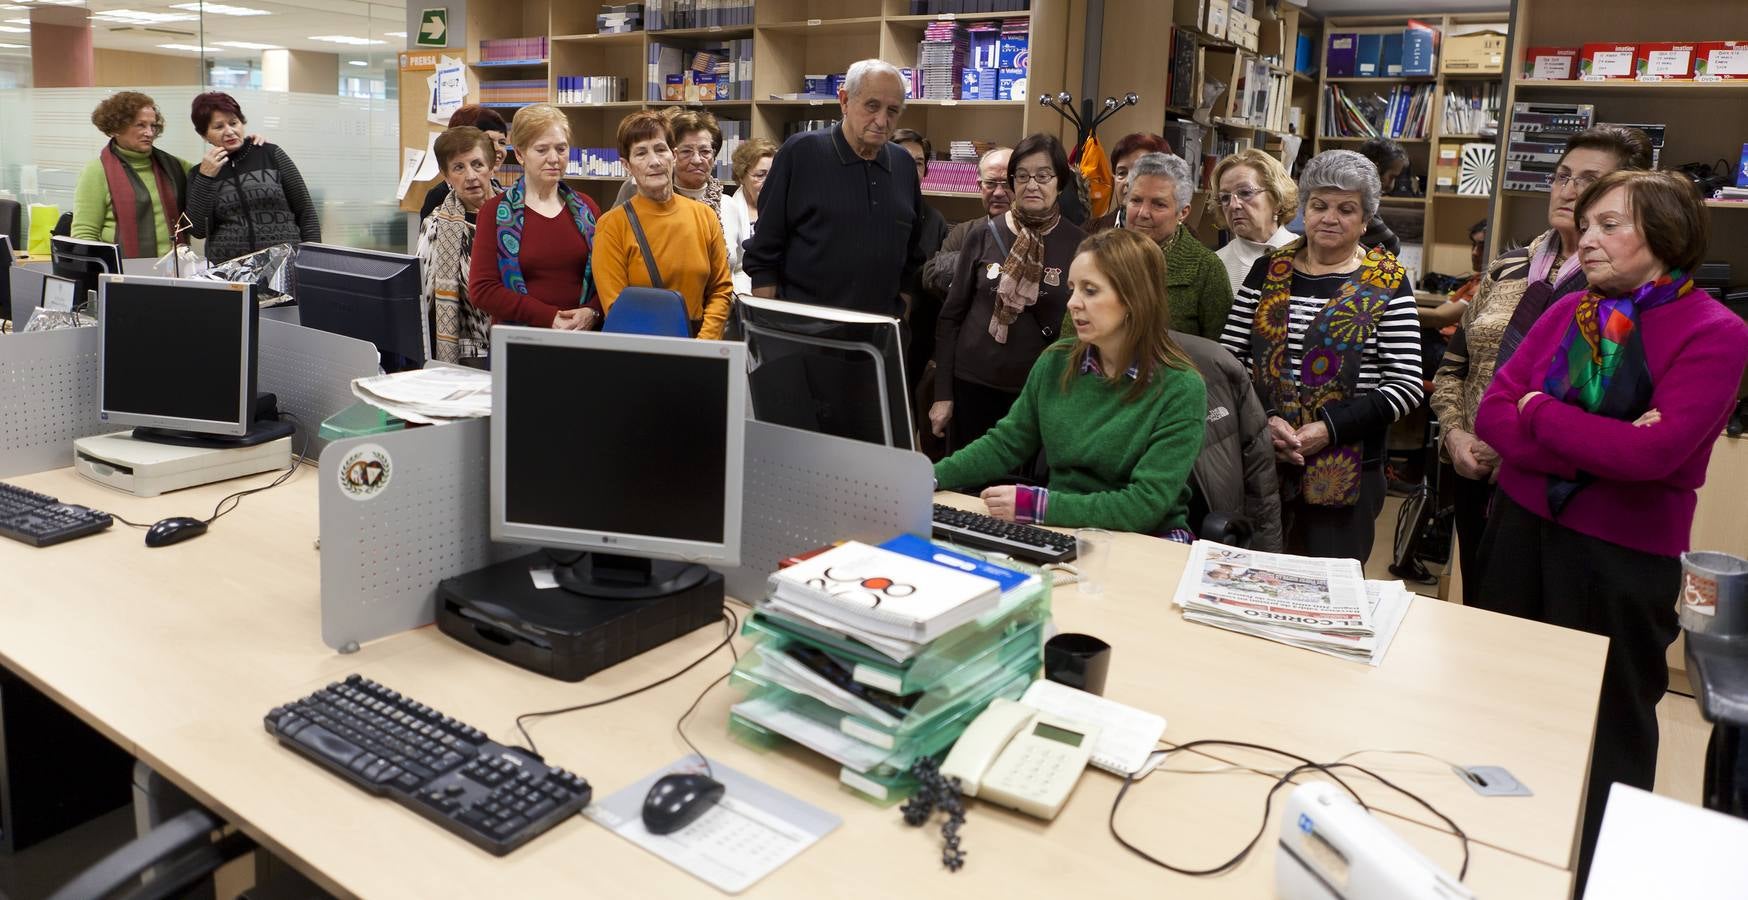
<point x="553" y="256"/>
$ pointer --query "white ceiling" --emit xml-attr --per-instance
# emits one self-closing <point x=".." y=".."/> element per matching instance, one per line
<point x="1394" y="7"/>
<point x="289" y="24"/>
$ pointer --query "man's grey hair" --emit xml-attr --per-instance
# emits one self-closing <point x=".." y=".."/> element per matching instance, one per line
<point x="863" y="68"/>
<point x="1341" y="170"/>
<point x="1170" y="166"/>
<point x="984" y="161"/>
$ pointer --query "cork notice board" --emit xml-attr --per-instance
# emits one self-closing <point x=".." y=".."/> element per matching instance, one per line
<point x="415" y="129"/>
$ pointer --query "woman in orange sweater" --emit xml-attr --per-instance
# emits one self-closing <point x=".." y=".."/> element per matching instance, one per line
<point x="684" y="236"/>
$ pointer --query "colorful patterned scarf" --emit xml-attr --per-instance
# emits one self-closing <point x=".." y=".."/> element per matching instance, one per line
<point x="1600" y="364"/>
<point x="509" y="235"/>
<point x="1021" y="271"/>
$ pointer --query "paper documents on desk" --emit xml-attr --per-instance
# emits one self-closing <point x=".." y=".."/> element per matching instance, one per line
<point x="429" y="396"/>
<point x="752" y="831"/>
<point x="1318" y="604"/>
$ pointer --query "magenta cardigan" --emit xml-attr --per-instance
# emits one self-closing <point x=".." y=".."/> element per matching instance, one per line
<point x="1646" y="478"/>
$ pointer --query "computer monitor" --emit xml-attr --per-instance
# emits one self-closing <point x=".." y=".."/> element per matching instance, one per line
<point x="83" y="261"/>
<point x="176" y="359"/>
<point x="364" y="294"/>
<point x="5" y="277"/>
<point x="828" y="370"/>
<point x="628" y="447"/>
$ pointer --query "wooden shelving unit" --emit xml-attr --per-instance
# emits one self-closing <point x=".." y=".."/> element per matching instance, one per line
<point x="1444" y="238"/>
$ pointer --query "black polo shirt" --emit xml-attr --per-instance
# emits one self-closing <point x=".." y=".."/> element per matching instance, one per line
<point x="836" y="229"/>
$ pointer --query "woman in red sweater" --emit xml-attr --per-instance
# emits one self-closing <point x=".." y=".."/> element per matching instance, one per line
<point x="530" y="263"/>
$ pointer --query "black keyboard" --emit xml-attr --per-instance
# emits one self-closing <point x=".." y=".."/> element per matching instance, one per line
<point x="496" y="797"/>
<point x="40" y="520"/>
<point x="1038" y="545"/>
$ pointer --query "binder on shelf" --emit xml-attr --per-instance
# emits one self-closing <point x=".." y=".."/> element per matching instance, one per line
<point x="1368" y="50"/>
<point x="1342" y="51"/>
<point x="1419" y="49"/>
<point x="1390" y="65"/>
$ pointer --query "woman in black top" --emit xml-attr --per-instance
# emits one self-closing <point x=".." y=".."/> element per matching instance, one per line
<point x="243" y="198"/>
<point x="1008" y="296"/>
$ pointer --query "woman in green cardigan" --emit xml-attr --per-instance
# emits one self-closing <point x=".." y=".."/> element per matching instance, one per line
<point x="1118" y="411"/>
<point x="132" y="193"/>
<point x="1196" y="284"/>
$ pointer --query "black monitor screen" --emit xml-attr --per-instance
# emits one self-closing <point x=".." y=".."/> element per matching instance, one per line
<point x="615" y="441"/>
<point x="171" y="351"/>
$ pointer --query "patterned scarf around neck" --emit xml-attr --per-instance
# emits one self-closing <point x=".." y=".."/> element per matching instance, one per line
<point x="509" y="235"/>
<point x="1545" y="286"/>
<point x="1022" y="270"/>
<point x="1600" y="366"/>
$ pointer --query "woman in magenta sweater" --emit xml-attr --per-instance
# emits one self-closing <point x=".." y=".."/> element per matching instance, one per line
<point x="1604" y="420"/>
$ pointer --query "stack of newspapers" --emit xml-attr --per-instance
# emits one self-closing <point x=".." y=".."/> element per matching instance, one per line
<point x="878" y="656"/>
<point x="429" y="396"/>
<point x="1326" y="605"/>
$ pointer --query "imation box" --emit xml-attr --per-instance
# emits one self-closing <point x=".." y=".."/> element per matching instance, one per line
<point x="1011" y="52"/>
<point x="1550" y="63"/>
<point x="1742" y="169"/>
<point x="1604" y="61"/>
<point x="1662" y="59"/>
<point x="1721" y="60"/>
<point x="1011" y="84"/>
<point x="674" y="86"/>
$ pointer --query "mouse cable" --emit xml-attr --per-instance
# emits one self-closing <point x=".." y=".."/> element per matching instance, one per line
<point x="1304" y="765"/>
<point x="728" y="618"/>
<point x="680" y="723"/>
<point x="237" y="498"/>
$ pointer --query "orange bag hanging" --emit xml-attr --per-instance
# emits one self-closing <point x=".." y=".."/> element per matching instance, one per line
<point x="1095" y="169"/>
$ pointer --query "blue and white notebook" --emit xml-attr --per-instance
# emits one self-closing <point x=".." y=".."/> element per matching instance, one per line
<point x="925" y="549"/>
<point x="886" y="593"/>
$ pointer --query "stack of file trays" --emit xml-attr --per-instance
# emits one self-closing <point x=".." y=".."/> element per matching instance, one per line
<point x="873" y="715"/>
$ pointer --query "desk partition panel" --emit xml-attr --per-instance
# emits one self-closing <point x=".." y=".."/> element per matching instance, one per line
<point x="311" y="373"/>
<point x="48" y="398"/>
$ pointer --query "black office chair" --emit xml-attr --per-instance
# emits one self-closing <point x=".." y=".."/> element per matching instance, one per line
<point x="183" y="851"/>
<point x="63" y="227"/>
<point x="1230" y="527"/>
<point x="12" y="222"/>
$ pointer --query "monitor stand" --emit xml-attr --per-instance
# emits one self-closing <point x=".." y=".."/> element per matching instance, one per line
<point x="611" y="576"/>
<point x="147" y="468"/>
<point x="258" y="433"/>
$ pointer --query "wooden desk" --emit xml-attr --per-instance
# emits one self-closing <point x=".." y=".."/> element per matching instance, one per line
<point x="177" y="653"/>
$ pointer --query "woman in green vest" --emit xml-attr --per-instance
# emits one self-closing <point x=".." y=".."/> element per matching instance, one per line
<point x="1118" y="409"/>
<point x="132" y="193"/>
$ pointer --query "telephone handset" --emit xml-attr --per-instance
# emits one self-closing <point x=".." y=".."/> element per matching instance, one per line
<point x="1021" y="758"/>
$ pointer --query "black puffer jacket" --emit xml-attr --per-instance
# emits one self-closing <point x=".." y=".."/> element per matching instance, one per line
<point x="1235" y="472"/>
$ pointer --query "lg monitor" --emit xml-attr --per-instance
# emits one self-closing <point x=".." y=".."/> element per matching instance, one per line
<point x="826" y="370"/>
<point x="364" y="294"/>
<point x="83" y="261"/>
<point x="626" y="447"/>
<point x="176" y="359"/>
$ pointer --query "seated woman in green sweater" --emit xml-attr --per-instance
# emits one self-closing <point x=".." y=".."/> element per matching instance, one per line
<point x="1119" y="410"/>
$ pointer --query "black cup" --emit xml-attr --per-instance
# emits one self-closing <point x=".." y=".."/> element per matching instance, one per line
<point x="1078" y="660"/>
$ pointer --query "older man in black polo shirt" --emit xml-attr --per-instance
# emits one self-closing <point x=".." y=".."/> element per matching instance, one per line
<point x="841" y="214"/>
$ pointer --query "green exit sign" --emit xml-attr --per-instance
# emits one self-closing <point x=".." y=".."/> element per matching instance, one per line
<point x="434" y="28"/>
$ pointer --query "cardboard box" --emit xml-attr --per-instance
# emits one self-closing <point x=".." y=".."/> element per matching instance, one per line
<point x="1218" y="15"/>
<point x="1550" y="63"/>
<point x="1727" y="60"/>
<point x="674" y="87"/>
<point x="1605" y="61"/>
<point x="1342" y="52"/>
<point x="1446" y="169"/>
<point x="1663" y="59"/>
<point x="1480" y="52"/>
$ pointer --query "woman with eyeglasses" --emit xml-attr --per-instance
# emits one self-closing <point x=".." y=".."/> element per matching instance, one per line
<point x="697" y="140"/>
<point x="1007" y="300"/>
<point x="1256" y="200"/>
<point x="1518" y="287"/>
<point x="740" y="210"/>
<point x="132" y="194"/>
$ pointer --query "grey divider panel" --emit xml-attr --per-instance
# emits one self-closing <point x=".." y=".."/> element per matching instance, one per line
<point x="382" y="556"/>
<point x="805" y="490"/>
<point x="26" y="284"/>
<point x="48" y="398"/>
<point x="311" y="372"/>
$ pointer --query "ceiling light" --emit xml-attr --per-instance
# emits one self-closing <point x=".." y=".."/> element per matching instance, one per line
<point x="136" y="17"/>
<point x="11" y="29"/>
<point x="346" y="39"/>
<point x="356" y="62"/>
<point x="19" y="21"/>
<point x="220" y="9"/>
<point x="249" y="45"/>
<point x="14" y="46"/>
<point x="189" y="47"/>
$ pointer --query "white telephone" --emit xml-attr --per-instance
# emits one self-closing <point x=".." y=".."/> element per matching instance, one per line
<point x="1021" y="757"/>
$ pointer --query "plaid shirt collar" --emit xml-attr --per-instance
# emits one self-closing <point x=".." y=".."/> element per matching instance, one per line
<point x="1090" y="365"/>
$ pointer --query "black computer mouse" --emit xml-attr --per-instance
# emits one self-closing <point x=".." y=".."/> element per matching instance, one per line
<point x="677" y="800"/>
<point x="173" y="530"/>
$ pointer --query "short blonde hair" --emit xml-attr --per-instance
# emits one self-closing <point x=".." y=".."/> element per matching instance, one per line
<point x="1275" y="181"/>
<point x="748" y="154"/>
<point x="533" y="121"/>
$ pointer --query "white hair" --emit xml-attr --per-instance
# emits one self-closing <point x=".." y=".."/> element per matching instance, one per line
<point x="861" y="69"/>
<point x="1341" y="170"/>
<point x="986" y="159"/>
<point x="1169" y="166"/>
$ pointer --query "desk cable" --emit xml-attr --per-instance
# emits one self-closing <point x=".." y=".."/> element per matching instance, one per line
<point x="1281" y="778"/>
<point x="729" y="618"/>
<point x="220" y="509"/>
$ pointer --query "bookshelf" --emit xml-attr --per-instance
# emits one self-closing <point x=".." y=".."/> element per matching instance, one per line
<point x="1447" y="214"/>
<point x="788" y="39"/>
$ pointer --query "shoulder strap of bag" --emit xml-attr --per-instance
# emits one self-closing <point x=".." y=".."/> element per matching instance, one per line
<point x="995" y="232"/>
<point x="655" y="274"/>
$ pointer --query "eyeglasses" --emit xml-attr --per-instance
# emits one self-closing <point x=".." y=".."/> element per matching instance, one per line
<point x="1607" y="228"/>
<point x="990" y="184"/>
<point x="694" y="152"/>
<point x="1244" y="195"/>
<point x="1582" y="182"/>
<point x="154" y="127"/>
<point x="1044" y="177"/>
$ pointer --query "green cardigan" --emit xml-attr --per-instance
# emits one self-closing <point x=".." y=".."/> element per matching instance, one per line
<point x="94" y="214"/>
<point x="1197" y="288"/>
<point x="1113" y="464"/>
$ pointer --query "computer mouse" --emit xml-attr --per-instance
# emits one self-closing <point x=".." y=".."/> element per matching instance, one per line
<point x="677" y="800"/>
<point x="173" y="530"/>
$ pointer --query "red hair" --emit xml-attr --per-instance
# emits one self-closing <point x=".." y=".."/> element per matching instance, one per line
<point x="1139" y="142"/>
<point x="212" y="103"/>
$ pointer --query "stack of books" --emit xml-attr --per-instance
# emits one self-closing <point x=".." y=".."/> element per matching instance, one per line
<point x="877" y="657"/>
<point x="619" y="18"/>
<point x="502" y="50"/>
<point x="1325" y="605"/>
<point x="1405" y="111"/>
<point x="951" y="175"/>
<point x="942" y="56"/>
<point x="522" y="90"/>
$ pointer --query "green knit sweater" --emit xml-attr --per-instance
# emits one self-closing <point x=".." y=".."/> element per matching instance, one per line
<point x="94" y="214"/>
<point x="1113" y="464"/>
<point x="1197" y="289"/>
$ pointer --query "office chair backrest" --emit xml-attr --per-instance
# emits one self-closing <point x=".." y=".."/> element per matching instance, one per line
<point x="12" y="221"/>
<point x="64" y="227"/>
<point x="642" y="310"/>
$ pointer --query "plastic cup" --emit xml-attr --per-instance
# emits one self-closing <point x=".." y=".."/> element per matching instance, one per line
<point x="1092" y="548"/>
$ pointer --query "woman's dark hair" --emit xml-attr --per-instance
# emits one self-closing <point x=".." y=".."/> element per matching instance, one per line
<point x="459" y="140"/>
<point x="1629" y="145"/>
<point x="1048" y="145"/>
<point x="1667" y="210"/>
<point x="479" y="117"/>
<point x="211" y="104"/>
<point x="913" y="136"/>
<point x="1383" y="153"/>
<point x="1139" y="141"/>
<point x="687" y="121"/>
<point x="642" y="126"/>
<point x="117" y="111"/>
